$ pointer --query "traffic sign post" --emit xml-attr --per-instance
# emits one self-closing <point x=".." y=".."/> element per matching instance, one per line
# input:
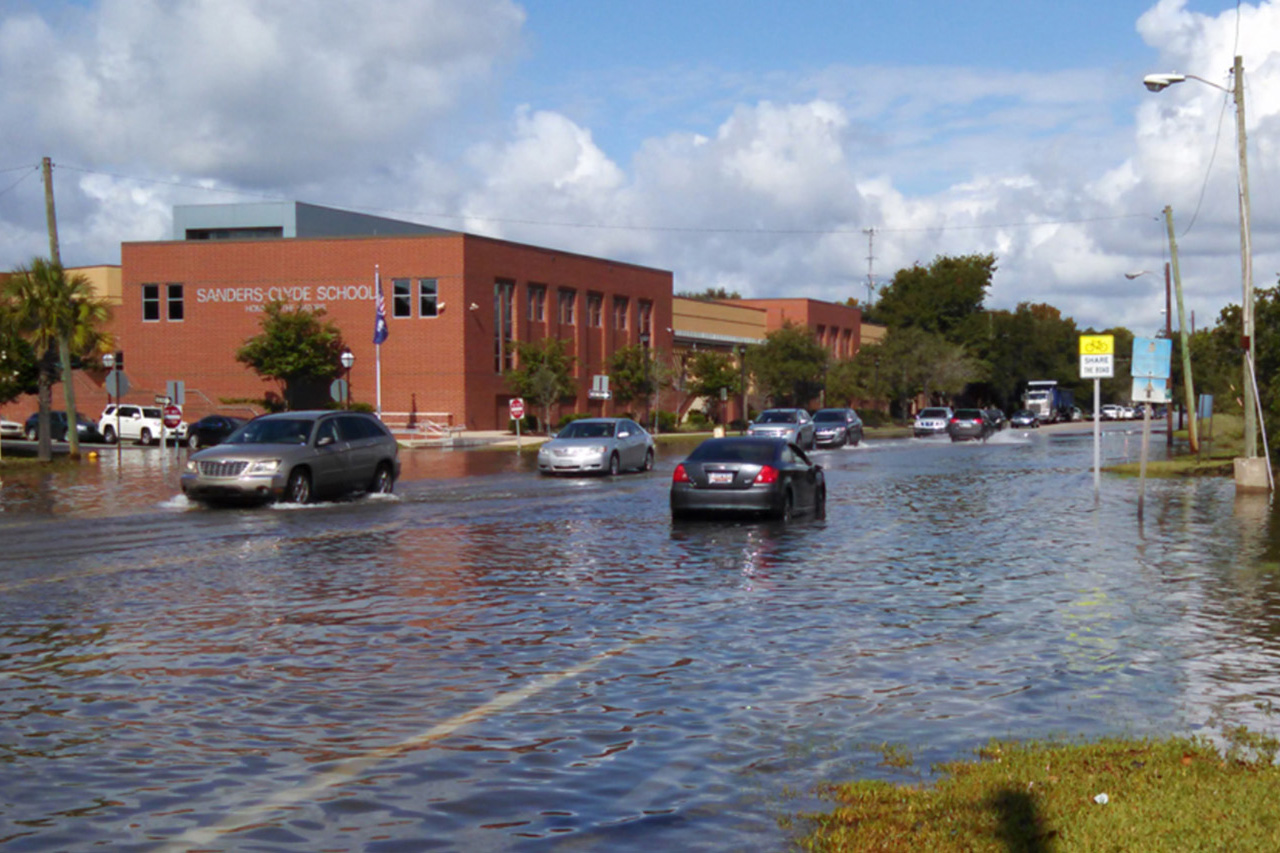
<point x="171" y="416"/>
<point x="516" y="408"/>
<point x="1097" y="362"/>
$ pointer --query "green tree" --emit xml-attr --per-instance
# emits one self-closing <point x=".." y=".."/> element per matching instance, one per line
<point x="938" y="298"/>
<point x="59" y="316"/>
<point x="855" y="378"/>
<point x="711" y="293"/>
<point x="709" y="373"/>
<point x="789" y="366"/>
<point x="297" y="349"/>
<point x="915" y="362"/>
<point x="633" y="374"/>
<point x="543" y="374"/>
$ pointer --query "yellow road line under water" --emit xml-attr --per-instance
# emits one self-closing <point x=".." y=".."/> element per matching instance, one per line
<point x="252" y="817"/>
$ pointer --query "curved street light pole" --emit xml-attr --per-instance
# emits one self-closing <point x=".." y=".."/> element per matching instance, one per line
<point x="1159" y="82"/>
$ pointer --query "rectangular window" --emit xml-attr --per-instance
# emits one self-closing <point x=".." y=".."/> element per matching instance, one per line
<point x="504" y="347"/>
<point x="173" y="301"/>
<point x="151" y="303"/>
<point x="646" y="317"/>
<point x="595" y="310"/>
<point x="567" y="298"/>
<point x="537" y="303"/>
<point x="428" y="297"/>
<point x="620" y="306"/>
<point x="401" y="298"/>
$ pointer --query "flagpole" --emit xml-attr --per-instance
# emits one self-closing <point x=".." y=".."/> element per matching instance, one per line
<point x="379" y="335"/>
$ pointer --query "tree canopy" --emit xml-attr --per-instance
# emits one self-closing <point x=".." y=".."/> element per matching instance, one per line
<point x="711" y="293"/>
<point x="938" y="298"/>
<point x="543" y="374"/>
<point x="708" y="373"/>
<point x="788" y="367"/>
<point x="297" y="349"/>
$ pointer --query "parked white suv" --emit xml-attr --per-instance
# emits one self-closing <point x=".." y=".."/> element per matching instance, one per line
<point x="143" y="424"/>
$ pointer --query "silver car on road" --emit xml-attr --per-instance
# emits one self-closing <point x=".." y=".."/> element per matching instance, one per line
<point x="294" y="457"/>
<point x="597" y="446"/>
<point x="794" y="425"/>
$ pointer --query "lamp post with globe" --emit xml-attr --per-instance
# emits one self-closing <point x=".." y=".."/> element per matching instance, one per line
<point x="348" y="358"/>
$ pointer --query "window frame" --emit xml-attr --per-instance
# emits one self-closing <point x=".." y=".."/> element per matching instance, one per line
<point x="566" y="301"/>
<point x="432" y="299"/>
<point x="151" y="299"/>
<point x="401" y="298"/>
<point x="170" y="300"/>
<point x="537" y="303"/>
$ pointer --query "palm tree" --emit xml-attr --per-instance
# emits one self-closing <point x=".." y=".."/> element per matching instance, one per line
<point x="60" y="316"/>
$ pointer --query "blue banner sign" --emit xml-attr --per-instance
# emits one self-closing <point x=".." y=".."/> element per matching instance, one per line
<point x="1151" y="358"/>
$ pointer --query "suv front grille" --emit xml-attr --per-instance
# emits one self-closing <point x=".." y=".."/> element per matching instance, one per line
<point x="233" y="468"/>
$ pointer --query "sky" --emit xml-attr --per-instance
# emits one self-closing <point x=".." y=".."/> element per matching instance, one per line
<point x="777" y="150"/>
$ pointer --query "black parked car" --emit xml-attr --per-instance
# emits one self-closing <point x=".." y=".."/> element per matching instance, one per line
<point x="763" y="476"/>
<point x="211" y="430"/>
<point x="85" y="428"/>
<point x="836" y="428"/>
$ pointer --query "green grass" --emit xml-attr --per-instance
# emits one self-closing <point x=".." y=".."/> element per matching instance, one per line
<point x="1213" y="460"/>
<point x="1175" y="794"/>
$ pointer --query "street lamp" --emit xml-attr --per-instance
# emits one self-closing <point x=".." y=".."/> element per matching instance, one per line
<point x="1157" y="83"/>
<point x="348" y="358"/>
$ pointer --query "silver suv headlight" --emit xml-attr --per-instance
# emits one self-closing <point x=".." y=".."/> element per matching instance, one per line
<point x="263" y="466"/>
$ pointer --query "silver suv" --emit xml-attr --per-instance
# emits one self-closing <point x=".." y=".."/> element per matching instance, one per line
<point x="143" y="424"/>
<point x="294" y="457"/>
<point x="794" y="425"/>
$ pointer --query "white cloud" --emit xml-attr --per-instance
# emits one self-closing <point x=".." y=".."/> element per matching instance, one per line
<point x="761" y="183"/>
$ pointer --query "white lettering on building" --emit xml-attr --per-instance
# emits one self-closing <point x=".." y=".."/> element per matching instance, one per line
<point x="255" y="297"/>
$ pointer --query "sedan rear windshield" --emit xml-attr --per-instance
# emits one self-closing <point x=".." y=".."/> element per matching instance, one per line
<point x="969" y="414"/>
<point x="588" y="429"/>
<point x="751" y="452"/>
<point x="823" y="417"/>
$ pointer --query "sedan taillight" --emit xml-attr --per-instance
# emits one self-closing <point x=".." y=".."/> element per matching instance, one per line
<point x="680" y="475"/>
<point x="768" y="474"/>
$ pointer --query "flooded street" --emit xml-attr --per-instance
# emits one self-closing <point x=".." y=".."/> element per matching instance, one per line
<point x="493" y="660"/>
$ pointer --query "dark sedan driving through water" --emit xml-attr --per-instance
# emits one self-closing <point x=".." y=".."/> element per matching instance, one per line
<point x="762" y="476"/>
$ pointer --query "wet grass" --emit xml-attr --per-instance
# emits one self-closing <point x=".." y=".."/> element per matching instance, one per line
<point x="1214" y="459"/>
<point x="1131" y="795"/>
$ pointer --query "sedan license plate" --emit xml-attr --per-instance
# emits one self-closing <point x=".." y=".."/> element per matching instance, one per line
<point x="719" y="478"/>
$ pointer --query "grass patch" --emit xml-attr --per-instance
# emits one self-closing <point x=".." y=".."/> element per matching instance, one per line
<point x="1175" y="794"/>
<point x="1215" y="458"/>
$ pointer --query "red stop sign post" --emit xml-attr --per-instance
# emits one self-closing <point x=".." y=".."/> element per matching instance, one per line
<point x="516" y="407"/>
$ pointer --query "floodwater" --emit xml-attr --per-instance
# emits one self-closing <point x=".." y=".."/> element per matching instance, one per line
<point x="492" y="660"/>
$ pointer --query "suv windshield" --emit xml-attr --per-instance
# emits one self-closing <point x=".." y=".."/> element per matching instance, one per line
<point x="934" y="413"/>
<point x="778" y="418"/>
<point x="274" y="431"/>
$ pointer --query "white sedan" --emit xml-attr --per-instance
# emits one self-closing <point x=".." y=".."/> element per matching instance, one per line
<point x="10" y="429"/>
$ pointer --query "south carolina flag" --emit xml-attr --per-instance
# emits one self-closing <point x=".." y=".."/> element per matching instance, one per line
<point x="380" y="311"/>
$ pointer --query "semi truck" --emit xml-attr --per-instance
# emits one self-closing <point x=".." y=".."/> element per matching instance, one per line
<point x="1047" y="401"/>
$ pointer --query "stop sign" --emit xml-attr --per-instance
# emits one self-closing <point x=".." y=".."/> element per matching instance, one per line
<point x="172" y="416"/>
<point x="517" y="408"/>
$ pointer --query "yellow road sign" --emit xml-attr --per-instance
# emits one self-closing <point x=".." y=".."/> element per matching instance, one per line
<point x="1097" y="344"/>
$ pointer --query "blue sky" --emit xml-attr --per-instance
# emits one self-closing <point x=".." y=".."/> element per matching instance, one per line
<point x="745" y="145"/>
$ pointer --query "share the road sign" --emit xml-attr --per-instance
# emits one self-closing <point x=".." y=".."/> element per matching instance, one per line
<point x="1097" y="356"/>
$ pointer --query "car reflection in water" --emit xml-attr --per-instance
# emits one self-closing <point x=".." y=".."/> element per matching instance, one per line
<point x="758" y="476"/>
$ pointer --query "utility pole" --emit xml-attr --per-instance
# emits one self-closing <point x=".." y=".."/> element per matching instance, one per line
<point x="1192" y="433"/>
<point x="64" y="351"/>
<point x="871" y="260"/>
<point x="1246" y="265"/>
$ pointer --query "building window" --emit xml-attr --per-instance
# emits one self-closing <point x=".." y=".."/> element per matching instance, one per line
<point x="567" y="298"/>
<point x="620" y="306"/>
<point x="151" y="303"/>
<point x="173" y="301"/>
<point x="537" y="303"/>
<point x="646" y="317"/>
<point x="504" y="348"/>
<point x="428" y="297"/>
<point x="401" y="298"/>
<point x="595" y="310"/>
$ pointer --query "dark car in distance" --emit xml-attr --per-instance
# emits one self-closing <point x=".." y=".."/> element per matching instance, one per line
<point x="1024" y="418"/>
<point x="836" y="428"/>
<point x="969" y="425"/>
<point x="211" y="430"/>
<point x="758" y="476"/>
<point x="86" y="429"/>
